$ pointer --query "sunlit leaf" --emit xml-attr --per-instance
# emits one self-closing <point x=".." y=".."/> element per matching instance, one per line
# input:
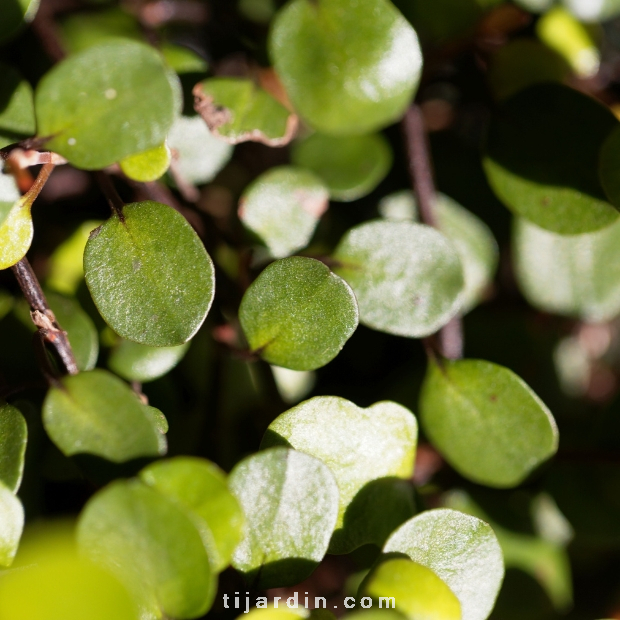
<point x="351" y="167"/>
<point x="283" y="207"/>
<point x="148" y="165"/>
<point x="461" y="550"/>
<point x="593" y="11"/>
<point x="347" y="68"/>
<point x="149" y="275"/>
<point x="9" y="195"/>
<point x="153" y="547"/>
<point x="138" y="362"/>
<point x="95" y="412"/>
<point x="298" y="314"/>
<point x="407" y="277"/>
<point x="16" y="106"/>
<point x="201" y="488"/>
<point x="11" y="524"/>
<point x="13" y="437"/>
<point x="16" y="233"/>
<point x="290" y="501"/>
<point x="367" y="451"/>
<point x="121" y="89"/>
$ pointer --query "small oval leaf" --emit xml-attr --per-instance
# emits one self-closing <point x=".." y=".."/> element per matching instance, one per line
<point x="298" y="314"/>
<point x="11" y="525"/>
<point x="149" y="275"/>
<point x="137" y="362"/>
<point x="16" y="233"/>
<point x="13" y="438"/>
<point x="290" y="501"/>
<point x="96" y="413"/>
<point x="147" y="165"/>
<point x="17" y="111"/>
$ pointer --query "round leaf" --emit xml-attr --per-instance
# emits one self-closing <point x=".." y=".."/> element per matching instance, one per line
<point x="573" y="276"/>
<point x="148" y="165"/>
<point x="298" y="314"/>
<point x="376" y="444"/>
<point x="96" y="413"/>
<point x="415" y="590"/>
<point x="351" y="166"/>
<point x="137" y="362"/>
<point x="201" y="488"/>
<point x="152" y="546"/>
<point x="238" y="111"/>
<point x="290" y="501"/>
<point x="16" y="233"/>
<point x="283" y="207"/>
<point x="16" y="106"/>
<point x="407" y="277"/>
<point x="461" y="550"/>
<point x="486" y="421"/>
<point x="149" y="275"/>
<point x="198" y="155"/>
<point x="13" y="438"/>
<point x="347" y="68"/>
<point x="11" y="525"/>
<point x="120" y="89"/>
<point x="9" y="195"/>
<point x="542" y="158"/>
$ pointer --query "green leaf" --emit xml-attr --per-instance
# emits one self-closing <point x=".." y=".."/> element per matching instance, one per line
<point x="119" y="88"/>
<point x="407" y="277"/>
<point x="416" y="591"/>
<point x="200" y="487"/>
<point x="80" y="30"/>
<point x="574" y="276"/>
<point x="183" y="60"/>
<point x="11" y="524"/>
<point x="367" y="449"/>
<point x="152" y="546"/>
<point x="283" y="206"/>
<point x="461" y="550"/>
<point x="260" y="11"/>
<point x="138" y="362"/>
<point x="298" y="314"/>
<point x="9" y="195"/>
<point x="290" y="501"/>
<point x="347" y="68"/>
<point x="148" y="165"/>
<point x="486" y="421"/>
<point x="15" y="14"/>
<point x="80" y="329"/>
<point x="351" y="167"/>
<point x="13" y="438"/>
<point x="16" y="232"/>
<point x="542" y="158"/>
<point x="197" y="153"/>
<point x="236" y="110"/>
<point x="16" y="106"/>
<point x="67" y="586"/>
<point x="149" y="275"/>
<point x="96" y="413"/>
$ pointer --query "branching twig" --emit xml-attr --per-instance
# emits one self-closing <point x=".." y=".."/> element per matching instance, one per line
<point x="416" y="142"/>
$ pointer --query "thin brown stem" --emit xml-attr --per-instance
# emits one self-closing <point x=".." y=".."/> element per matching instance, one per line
<point x="109" y="190"/>
<point x="450" y="337"/>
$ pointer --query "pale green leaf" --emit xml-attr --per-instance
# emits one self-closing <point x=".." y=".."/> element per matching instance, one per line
<point x="13" y="438"/>
<point x="149" y="275"/>
<point x="201" y="488"/>
<point x="347" y="68"/>
<point x="486" y="421"/>
<point x="95" y="412"/>
<point x="138" y="362"/>
<point x="407" y="277"/>
<point x="461" y="550"/>
<point x="16" y="232"/>
<point x="16" y="106"/>
<point x="147" y="165"/>
<point x="9" y="195"/>
<point x="366" y="450"/>
<point x="282" y="207"/>
<point x="298" y="314"/>
<point x="183" y="60"/>
<point x="290" y="501"/>
<point x="351" y="166"/>
<point x="152" y="546"/>
<point x="11" y="524"/>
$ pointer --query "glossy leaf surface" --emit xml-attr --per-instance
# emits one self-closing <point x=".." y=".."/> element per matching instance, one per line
<point x="149" y="275"/>
<point x="16" y="106"/>
<point x="13" y="438"/>
<point x="11" y="524"/>
<point x="97" y="413"/>
<point x="298" y="314"/>
<point x="138" y="362"/>
<point x="461" y="550"/>
<point x="238" y="111"/>
<point x="201" y="488"/>
<point x="148" y="165"/>
<point x="119" y="88"/>
<point x="151" y="545"/>
<point x="348" y="69"/>
<point x="363" y="446"/>
<point x="486" y="421"/>
<point x="351" y="167"/>
<point x="282" y="207"/>
<point x="407" y="277"/>
<point x="290" y="501"/>
<point x="542" y="158"/>
<point x="16" y="232"/>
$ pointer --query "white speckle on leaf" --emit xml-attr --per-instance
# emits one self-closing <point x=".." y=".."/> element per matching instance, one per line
<point x="110" y="93"/>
